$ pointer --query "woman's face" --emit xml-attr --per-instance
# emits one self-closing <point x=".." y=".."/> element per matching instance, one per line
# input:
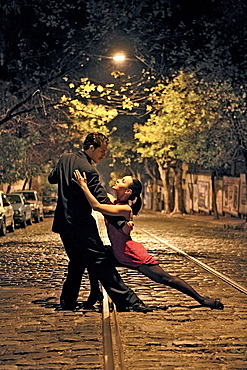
<point x="123" y="184"/>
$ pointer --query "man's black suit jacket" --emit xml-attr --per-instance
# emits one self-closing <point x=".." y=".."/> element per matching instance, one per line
<point x="73" y="208"/>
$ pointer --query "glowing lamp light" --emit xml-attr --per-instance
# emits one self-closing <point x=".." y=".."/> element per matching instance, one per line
<point x="119" y="57"/>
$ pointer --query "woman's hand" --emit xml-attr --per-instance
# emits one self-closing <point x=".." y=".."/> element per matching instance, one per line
<point x="128" y="227"/>
<point x="81" y="181"/>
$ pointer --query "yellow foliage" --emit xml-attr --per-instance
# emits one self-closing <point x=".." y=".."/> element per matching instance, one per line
<point x="64" y="99"/>
<point x="117" y="74"/>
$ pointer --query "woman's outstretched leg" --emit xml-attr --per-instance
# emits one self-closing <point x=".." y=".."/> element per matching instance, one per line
<point x="157" y="274"/>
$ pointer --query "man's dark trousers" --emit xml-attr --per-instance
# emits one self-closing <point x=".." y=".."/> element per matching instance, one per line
<point x="85" y="249"/>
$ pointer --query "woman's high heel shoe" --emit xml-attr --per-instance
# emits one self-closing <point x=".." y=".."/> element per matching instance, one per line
<point x="214" y="304"/>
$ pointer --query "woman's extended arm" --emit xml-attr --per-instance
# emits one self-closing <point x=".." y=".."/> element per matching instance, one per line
<point x="108" y="209"/>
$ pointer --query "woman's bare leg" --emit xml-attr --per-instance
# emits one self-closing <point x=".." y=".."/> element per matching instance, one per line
<point x="157" y="274"/>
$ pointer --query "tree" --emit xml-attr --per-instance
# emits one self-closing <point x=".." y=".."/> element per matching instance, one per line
<point x="87" y="113"/>
<point x="38" y="47"/>
<point x="16" y="162"/>
<point x="188" y="123"/>
<point x="39" y="42"/>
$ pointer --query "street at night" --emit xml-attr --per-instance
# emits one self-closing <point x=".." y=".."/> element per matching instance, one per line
<point x="145" y="100"/>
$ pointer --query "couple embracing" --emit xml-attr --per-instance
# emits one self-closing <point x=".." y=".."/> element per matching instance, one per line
<point x="80" y="190"/>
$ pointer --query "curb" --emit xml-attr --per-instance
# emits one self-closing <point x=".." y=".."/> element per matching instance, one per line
<point x="233" y="223"/>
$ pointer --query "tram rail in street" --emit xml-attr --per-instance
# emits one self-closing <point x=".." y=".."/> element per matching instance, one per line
<point x="198" y="262"/>
<point x="111" y="335"/>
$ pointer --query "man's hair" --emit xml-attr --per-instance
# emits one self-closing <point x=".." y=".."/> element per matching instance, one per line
<point x="96" y="139"/>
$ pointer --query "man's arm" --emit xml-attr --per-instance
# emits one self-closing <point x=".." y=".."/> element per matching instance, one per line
<point x="96" y="188"/>
<point x="53" y="177"/>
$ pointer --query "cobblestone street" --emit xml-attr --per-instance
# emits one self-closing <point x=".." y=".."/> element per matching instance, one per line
<point x="178" y="334"/>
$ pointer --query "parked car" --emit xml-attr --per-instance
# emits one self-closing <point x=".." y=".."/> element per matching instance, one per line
<point x="49" y="205"/>
<point x="35" y="202"/>
<point x="6" y="214"/>
<point x="22" y="210"/>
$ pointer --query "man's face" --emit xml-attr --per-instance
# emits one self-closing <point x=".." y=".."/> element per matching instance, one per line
<point x="97" y="154"/>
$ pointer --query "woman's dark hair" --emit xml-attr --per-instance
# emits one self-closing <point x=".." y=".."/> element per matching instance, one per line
<point x="135" y="196"/>
<point x="96" y="139"/>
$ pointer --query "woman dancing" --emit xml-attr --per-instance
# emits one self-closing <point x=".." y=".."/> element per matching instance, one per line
<point x="131" y="253"/>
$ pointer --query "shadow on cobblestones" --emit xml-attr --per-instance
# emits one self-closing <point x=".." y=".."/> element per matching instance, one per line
<point x="53" y="303"/>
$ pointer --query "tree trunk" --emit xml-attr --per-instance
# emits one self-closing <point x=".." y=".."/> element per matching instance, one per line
<point x="244" y="151"/>
<point x="178" y="191"/>
<point x="8" y="188"/>
<point x="24" y="184"/>
<point x="155" y="205"/>
<point x="164" y="174"/>
<point x="152" y="174"/>
<point x="215" y="210"/>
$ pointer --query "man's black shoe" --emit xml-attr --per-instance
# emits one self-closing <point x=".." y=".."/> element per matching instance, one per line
<point x="140" y="307"/>
<point x="65" y="306"/>
<point x="94" y="298"/>
<point x="68" y="306"/>
<point x="137" y="307"/>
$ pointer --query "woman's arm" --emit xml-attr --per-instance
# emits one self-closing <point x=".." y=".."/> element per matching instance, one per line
<point x="108" y="209"/>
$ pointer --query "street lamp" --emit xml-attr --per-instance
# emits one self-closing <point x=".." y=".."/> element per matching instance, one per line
<point x="120" y="57"/>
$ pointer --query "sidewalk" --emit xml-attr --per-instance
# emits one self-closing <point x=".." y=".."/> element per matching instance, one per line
<point x="226" y="222"/>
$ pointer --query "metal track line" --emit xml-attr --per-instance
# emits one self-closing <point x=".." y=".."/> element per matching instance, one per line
<point x="107" y="334"/>
<point x="206" y="267"/>
<point x="118" y="339"/>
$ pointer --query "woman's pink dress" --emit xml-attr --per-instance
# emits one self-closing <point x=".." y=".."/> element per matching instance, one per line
<point x="127" y="251"/>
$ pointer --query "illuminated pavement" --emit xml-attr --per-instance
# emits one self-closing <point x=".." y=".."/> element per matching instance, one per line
<point x="178" y="334"/>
